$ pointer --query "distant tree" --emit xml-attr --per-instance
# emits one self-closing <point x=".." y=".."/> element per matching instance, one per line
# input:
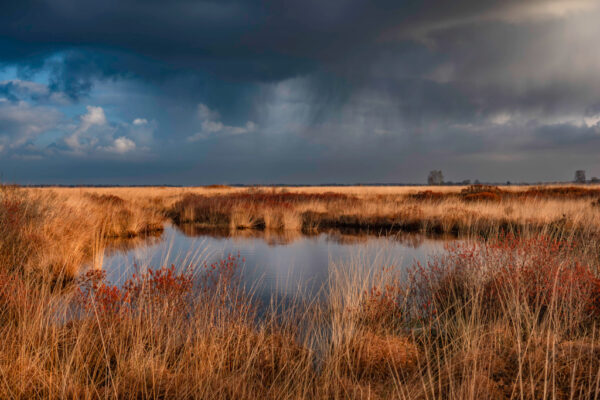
<point x="477" y="182"/>
<point x="580" y="176"/>
<point x="435" y="177"/>
<point x="466" y="182"/>
<point x="595" y="180"/>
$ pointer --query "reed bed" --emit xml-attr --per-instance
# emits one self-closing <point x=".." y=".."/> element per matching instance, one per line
<point x="509" y="317"/>
<point x="476" y="210"/>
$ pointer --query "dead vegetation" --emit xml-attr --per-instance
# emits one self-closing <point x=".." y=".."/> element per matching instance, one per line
<point x="512" y="317"/>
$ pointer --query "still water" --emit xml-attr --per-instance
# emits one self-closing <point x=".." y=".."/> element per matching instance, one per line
<point x="283" y="265"/>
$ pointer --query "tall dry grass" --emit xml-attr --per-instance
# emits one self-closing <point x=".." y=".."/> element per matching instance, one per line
<point x="467" y="211"/>
<point x="552" y="210"/>
<point x="44" y="230"/>
<point x="513" y="317"/>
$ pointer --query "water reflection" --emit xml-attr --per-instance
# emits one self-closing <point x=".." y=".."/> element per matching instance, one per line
<point x="276" y="263"/>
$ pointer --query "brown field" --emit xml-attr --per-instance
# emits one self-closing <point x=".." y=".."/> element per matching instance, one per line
<point x="512" y="314"/>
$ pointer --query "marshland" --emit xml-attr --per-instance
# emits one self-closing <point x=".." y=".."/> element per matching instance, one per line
<point x="430" y="292"/>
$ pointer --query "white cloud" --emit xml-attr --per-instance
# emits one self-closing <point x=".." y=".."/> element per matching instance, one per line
<point x="205" y="113"/>
<point x="212" y="125"/>
<point x="80" y="140"/>
<point x="21" y="122"/>
<point x="96" y="134"/>
<point x="94" y="116"/>
<point x="501" y="118"/>
<point x="140" y="121"/>
<point x="33" y="126"/>
<point x="121" y="145"/>
<point x="592" y="121"/>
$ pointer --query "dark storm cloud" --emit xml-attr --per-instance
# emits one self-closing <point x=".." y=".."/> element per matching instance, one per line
<point x="312" y="83"/>
<point x="239" y="39"/>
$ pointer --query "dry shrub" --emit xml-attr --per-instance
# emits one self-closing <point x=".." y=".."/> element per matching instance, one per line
<point x="106" y="199"/>
<point x="378" y="356"/>
<point x="482" y="196"/>
<point x="429" y="195"/>
<point x="473" y="189"/>
<point x="482" y="193"/>
<point x="383" y="309"/>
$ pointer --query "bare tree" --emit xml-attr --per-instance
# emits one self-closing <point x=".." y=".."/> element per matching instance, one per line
<point x="435" y="177"/>
<point x="580" y="176"/>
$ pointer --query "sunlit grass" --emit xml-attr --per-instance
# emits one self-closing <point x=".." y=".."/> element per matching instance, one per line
<point x="513" y="316"/>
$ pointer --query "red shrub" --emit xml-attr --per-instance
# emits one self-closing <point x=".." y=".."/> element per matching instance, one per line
<point x="159" y="287"/>
<point x="539" y="273"/>
<point x="220" y="273"/>
<point x="95" y="296"/>
<point x="162" y="282"/>
<point x="544" y="273"/>
<point x="163" y="286"/>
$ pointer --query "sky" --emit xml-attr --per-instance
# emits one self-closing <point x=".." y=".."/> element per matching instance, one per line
<point x="191" y="92"/>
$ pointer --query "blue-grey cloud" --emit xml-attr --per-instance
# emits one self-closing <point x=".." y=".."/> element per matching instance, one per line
<point x="325" y="91"/>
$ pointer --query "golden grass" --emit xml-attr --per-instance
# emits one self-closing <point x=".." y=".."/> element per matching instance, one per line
<point x="75" y="223"/>
<point x="213" y="346"/>
<point x="376" y="208"/>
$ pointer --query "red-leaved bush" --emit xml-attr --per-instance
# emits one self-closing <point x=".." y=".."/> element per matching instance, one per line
<point x="538" y="275"/>
<point x="163" y="287"/>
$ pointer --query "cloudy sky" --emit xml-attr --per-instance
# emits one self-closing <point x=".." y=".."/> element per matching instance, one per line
<point x="298" y="91"/>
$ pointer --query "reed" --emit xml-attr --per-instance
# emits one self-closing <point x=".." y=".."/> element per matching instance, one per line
<point x="514" y="316"/>
<point x="468" y="211"/>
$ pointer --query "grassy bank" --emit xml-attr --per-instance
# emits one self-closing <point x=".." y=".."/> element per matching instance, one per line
<point x="512" y="317"/>
<point x="483" y="211"/>
<point x="50" y="231"/>
<point x="474" y="210"/>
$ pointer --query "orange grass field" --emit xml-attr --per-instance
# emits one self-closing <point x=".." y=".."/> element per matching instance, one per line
<point x="512" y="313"/>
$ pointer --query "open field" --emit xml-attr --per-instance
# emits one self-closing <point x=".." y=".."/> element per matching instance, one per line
<point x="512" y="314"/>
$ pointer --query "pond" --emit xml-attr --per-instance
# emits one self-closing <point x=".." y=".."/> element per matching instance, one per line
<point x="280" y="264"/>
